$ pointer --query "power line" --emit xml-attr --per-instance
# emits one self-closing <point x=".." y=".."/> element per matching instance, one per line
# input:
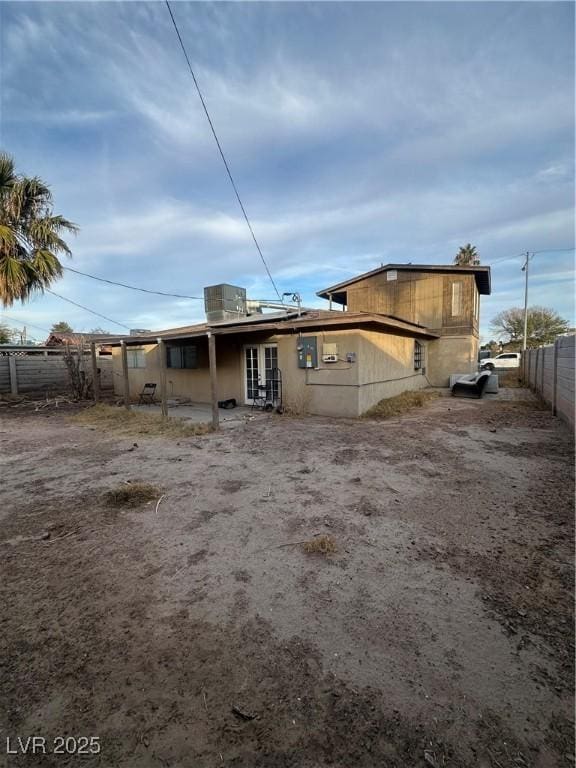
<point x="87" y="309"/>
<point x="133" y="287"/>
<point x="19" y="320"/>
<point x="523" y="254"/>
<point x="553" y="250"/>
<point x="221" y="152"/>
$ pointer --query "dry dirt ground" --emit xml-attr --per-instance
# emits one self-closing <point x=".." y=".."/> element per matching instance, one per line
<point x="439" y="634"/>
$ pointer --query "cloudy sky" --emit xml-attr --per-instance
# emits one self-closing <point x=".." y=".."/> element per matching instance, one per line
<point x="358" y="133"/>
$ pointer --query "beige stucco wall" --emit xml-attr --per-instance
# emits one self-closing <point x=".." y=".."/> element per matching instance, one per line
<point x="384" y="367"/>
<point x="451" y="354"/>
<point x="191" y="383"/>
<point x="388" y="367"/>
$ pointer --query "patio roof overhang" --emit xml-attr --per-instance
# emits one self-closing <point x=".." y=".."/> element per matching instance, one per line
<point x="312" y="321"/>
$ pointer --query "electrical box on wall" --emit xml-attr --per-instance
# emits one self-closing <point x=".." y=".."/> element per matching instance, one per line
<point x="350" y="357"/>
<point x="307" y="352"/>
<point x="329" y="353"/>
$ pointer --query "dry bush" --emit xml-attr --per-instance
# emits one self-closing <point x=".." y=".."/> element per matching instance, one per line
<point x="323" y="545"/>
<point x="131" y="494"/>
<point x="396" y="406"/>
<point x="123" y="422"/>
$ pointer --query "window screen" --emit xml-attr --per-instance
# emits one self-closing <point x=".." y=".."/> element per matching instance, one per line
<point x="136" y="358"/>
<point x="182" y="356"/>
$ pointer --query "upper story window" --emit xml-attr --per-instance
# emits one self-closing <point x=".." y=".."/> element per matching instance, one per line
<point x="136" y="358"/>
<point x="392" y="274"/>
<point x="456" y="299"/>
<point x="182" y="356"/>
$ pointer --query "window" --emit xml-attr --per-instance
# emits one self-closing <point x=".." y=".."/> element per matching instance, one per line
<point x="136" y="358"/>
<point x="182" y="356"/>
<point x="418" y="356"/>
<point x="392" y="274"/>
<point x="456" y="299"/>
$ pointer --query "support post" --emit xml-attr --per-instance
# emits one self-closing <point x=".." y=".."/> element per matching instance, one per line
<point x="163" y="387"/>
<point x="13" y="375"/>
<point x="95" y="373"/>
<point x="555" y="379"/>
<point x="213" y="379"/>
<point x="125" y="374"/>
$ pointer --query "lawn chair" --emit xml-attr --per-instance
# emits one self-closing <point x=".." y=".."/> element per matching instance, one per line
<point x="471" y="386"/>
<point x="147" y="395"/>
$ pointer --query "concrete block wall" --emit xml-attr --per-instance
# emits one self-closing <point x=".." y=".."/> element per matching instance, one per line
<point x="550" y="372"/>
<point x="20" y="374"/>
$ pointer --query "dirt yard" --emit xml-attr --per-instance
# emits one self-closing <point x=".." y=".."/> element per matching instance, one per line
<point x="199" y="633"/>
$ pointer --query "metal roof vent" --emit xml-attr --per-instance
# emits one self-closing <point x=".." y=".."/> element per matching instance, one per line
<point x="224" y="302"/>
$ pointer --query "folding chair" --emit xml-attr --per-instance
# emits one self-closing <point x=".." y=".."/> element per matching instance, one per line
<point x="147" y="395"/>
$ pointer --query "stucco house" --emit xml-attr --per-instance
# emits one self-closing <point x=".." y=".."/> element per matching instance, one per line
<point x="400" y="327"/>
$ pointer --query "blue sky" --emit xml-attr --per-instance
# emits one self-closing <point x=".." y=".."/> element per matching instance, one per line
<point x="358" y="133"/>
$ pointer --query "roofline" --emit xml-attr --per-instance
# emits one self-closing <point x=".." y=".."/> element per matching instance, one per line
<point x="339" y="320"/>
<point x="484" y="286"/>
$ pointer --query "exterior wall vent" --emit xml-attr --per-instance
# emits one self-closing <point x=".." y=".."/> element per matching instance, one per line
<point x="224" y="302"/>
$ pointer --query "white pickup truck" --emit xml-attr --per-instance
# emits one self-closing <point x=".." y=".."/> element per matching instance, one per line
<point x="505" y="360"/>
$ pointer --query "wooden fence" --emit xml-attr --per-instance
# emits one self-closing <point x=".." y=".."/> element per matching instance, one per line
<point x="549" y="371"/>
<point x="22" y="373"/>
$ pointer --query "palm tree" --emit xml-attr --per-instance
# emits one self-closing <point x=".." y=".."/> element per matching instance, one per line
<point x="467" y="256"/>
<point x="30" y="238"/>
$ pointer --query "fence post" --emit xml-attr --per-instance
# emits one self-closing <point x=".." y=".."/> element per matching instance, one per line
<point x="125" y="375"/>
<point x="95" y="373"/>
<point x="555" y="379"/>
<point x="163" y="392"/>
<point x="13" y="375"/>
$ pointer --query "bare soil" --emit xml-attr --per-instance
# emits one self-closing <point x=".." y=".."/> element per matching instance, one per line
<point x="199" y="632"/>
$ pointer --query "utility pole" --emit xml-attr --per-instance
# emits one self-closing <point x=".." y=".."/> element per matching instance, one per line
<point x="525" y="269"/>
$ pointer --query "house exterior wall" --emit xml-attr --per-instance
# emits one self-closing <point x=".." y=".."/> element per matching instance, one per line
<point x="384" y="367"/>
<point x="427" y="298"/>
<point x="451" y="354"/>
<point x="193" y="383"/>
<point x="419" y="297"/>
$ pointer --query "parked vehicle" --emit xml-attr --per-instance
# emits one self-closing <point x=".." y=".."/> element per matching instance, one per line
<point x="505" y="360"/>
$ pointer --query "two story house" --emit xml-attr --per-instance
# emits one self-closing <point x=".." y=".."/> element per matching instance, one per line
<point x="400" y="327"/>
<point x="444" y="299"/>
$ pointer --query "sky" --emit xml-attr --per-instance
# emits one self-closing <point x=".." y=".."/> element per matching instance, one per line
<point x="358" y="134"/>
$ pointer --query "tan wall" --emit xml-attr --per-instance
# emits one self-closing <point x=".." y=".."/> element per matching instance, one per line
<point x="332" y="389"/>
<point x="384" y="367"/>
<point x="181" y="382"/>
<point x="388" y="368"/>
<point x="418" y="297"/>
<point x="451" y="354"/>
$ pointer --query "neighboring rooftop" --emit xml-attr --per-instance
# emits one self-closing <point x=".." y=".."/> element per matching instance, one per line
<point x="482" y="275"/>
